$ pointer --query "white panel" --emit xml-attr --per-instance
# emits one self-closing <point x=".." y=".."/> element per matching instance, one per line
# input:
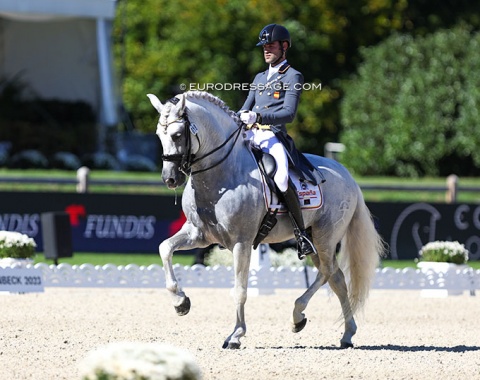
<point x="32" y="9"/>
<point x="57" y="59"/>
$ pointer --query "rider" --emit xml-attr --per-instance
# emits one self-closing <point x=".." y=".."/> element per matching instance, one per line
<point x="271" y="103"/>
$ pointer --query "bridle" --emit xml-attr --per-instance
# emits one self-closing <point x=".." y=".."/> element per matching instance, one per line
<point x="187" y="159"/>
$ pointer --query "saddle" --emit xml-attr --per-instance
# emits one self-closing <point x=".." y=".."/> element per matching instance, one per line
<point x="310" y="196"/>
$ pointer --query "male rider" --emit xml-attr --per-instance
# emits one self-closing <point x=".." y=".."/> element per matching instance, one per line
<point x="271" y="103"/>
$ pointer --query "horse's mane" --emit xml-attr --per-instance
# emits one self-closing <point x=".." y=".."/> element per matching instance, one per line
<point x="203" y="95"/>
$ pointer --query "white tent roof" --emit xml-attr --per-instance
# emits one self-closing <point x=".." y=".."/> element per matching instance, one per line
<point x="61" y="49"/>
<point x="73" y="8"/>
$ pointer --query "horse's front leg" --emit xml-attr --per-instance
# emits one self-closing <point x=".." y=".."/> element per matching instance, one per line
<point x="181" y="240"/>
<point x="241" y="260"/>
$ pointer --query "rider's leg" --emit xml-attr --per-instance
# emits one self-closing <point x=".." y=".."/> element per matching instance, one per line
<point x="290" y="196"/>
<point x="278" y="152"/>
<point x="304" y="241"/>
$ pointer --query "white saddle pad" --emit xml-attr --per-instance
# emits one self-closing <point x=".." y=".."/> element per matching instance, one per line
<point x="310" y="196"/>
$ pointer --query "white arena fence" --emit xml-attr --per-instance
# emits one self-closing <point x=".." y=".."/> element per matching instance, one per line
<point x="263" y="279"/>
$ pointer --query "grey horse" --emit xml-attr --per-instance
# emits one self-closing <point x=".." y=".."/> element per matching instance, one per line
<point x="223" y="202"/>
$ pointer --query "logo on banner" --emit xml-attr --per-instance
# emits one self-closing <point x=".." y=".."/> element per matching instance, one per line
<point x="120" y="227"/>
<point x="112" y="226"/>
<point x="24" y="223"/>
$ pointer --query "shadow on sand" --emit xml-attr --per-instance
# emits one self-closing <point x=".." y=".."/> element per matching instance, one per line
<point x="388" y="347"/>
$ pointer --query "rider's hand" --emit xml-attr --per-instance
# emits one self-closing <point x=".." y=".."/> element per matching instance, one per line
<point x="248" y="117"/>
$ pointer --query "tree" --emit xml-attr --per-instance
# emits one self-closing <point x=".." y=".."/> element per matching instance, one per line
<point x="413" y="107"/>
<point x="161" y="44"/>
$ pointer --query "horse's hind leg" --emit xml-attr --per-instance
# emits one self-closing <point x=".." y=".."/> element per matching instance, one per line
<point x="298" y="318"/>
<point x="339" y="287"/>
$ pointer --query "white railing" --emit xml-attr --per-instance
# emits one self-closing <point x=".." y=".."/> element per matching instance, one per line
<point x="268" y="279"/>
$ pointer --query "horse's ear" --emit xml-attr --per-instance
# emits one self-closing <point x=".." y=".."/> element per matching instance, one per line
<point x="181" y="104"/>
<point x="156" y="103"/>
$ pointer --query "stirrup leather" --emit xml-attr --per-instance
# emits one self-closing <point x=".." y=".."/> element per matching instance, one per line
<point x="269" y="221"/>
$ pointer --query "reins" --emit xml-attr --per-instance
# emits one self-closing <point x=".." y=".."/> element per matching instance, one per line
<point x="237" y="131"/>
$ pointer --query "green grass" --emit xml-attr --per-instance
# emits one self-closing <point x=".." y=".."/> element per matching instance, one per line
<point x="151" y="258"/>
<point x="72" y="175"/>
<point x="116" y="259"/>
<point x="370" y="195"/>
<point x="417" y="196"/>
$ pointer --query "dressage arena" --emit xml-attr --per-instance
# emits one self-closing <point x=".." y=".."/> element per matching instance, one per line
<point x="401" y="335"/>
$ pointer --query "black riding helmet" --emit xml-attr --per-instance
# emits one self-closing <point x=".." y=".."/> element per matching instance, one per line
<point x="272" y="33"/>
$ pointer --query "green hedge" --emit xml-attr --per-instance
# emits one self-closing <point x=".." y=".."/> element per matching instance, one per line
<point x="412" y="109"/>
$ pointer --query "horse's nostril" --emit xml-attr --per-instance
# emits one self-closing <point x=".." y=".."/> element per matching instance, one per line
<point x="170" y="182"/>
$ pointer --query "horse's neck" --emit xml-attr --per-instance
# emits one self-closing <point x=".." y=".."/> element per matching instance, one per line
<point x="227" y="161"/>
<point x="218" y="169"/>
<point x="215" y="128"/>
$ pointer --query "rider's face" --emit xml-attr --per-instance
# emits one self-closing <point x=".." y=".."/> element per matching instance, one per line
<point x="272" y="53"/>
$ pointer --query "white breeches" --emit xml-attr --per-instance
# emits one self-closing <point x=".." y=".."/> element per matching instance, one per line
<point x="268" y="142"/>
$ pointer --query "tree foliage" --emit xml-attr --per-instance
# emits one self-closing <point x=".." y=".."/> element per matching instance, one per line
<point x="161" y="44"/>
<point x="413" y="107"/>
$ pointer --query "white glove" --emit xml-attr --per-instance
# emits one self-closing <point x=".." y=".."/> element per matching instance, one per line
<point x="248" y="117"/>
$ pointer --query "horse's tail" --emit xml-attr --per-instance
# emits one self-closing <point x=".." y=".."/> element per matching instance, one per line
<point x="360" y="253"/>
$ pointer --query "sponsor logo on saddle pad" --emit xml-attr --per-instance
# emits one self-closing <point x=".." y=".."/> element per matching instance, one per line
<point x="310" y="196"/>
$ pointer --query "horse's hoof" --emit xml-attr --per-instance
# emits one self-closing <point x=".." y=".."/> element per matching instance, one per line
<point x="184" y="307"/>
<point x="346" y="345"/>
<point x="297" y="327"/>
<point x="231" y="346"/>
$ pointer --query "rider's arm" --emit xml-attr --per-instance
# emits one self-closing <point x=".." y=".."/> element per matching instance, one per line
<point x="250" y="101"/>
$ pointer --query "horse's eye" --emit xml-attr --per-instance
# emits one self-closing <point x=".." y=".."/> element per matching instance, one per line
<point x="177" y="136"/>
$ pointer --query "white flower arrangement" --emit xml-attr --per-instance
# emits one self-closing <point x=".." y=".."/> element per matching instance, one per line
<point x="139" y="361"/>
<point x="444" y="252"/>
<point x="16" y="245"/>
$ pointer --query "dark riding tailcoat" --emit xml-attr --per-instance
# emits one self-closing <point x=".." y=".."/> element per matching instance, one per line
<point x="276" y="100"/>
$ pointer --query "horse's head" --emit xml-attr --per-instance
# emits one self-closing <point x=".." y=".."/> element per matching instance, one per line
<point x="173" y="131"/>
<point x="197" y="131"/>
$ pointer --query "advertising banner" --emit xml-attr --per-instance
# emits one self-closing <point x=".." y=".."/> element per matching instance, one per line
<point x="406" y="227"/>
<point x="99" y="222"/>
<point x="139" y="223"/>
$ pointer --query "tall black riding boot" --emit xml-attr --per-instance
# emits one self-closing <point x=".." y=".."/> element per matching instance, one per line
<point x="304" y="242"/>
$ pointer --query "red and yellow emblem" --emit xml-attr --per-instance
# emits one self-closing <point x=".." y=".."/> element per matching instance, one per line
<point x="276" y="94"/>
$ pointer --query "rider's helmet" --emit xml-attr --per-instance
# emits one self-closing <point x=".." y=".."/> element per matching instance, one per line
<point x="272" y="33"/>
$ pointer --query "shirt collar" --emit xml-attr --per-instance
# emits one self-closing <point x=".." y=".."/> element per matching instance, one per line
<point x="273" y="70"/>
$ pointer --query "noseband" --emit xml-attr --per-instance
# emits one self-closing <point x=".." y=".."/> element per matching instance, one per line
<point x="187" y="159"/>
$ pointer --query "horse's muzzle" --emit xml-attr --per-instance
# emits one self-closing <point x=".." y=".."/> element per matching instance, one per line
<point x="171" y="183"/>
<point x="173" y="179"/>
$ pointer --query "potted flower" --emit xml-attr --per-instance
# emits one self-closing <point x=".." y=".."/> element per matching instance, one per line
<point x="439" y="258"/>
<point x="444" y="252"/>
<point x="135" y="361"/>
<point x="15" y="247"/>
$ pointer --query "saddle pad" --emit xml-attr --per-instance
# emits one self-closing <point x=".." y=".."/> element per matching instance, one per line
<point x="310" y="196"/>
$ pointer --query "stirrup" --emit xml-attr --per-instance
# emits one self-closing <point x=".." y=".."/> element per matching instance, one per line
<point x="305" y="246"/>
